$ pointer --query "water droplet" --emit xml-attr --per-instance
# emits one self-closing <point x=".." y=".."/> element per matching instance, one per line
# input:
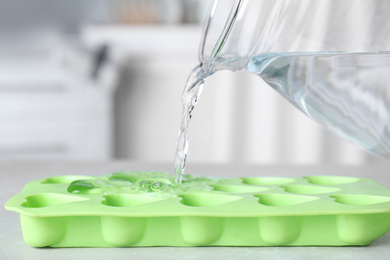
<point x="86" y="186"/>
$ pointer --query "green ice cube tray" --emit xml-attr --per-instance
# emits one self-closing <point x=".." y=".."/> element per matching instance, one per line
<point x="137" y="209"/>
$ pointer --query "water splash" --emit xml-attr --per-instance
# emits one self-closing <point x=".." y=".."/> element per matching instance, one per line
<point x="152" y="183"/>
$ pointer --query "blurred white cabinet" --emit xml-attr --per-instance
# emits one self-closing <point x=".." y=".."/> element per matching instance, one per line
<point x="52" y="108"/>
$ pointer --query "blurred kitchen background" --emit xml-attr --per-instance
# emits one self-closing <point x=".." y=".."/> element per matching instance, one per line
<point x="102" y="80"/>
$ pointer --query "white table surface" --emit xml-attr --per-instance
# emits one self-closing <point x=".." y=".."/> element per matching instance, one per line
<point x="15" y="174"/>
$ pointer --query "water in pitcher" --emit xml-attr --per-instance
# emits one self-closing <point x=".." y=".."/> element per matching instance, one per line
<point x="347" y="93"/>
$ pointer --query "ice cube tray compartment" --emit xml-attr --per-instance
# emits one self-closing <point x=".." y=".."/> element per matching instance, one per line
<point x="146" y="209"/>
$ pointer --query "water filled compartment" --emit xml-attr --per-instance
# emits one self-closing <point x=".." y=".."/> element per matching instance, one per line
<point x="66" y="179"/>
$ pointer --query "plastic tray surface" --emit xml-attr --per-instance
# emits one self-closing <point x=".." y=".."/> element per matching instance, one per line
<point x="136" y="209"/>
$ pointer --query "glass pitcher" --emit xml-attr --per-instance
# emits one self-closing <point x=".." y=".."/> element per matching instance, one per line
<point x="329" y="58"/>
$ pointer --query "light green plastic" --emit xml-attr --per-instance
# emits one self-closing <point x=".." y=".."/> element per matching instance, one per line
<point x="122" y="210"/>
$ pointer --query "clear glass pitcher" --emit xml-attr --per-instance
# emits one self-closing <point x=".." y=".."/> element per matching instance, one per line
<point x="329" y="58"/>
